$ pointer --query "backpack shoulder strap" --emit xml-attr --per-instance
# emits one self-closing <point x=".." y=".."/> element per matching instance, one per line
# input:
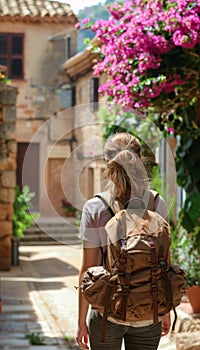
<point x="146" y="202"/>
<point x="114" y="207"/>
<point x="152" y="195"/>
<point x="106" y="199"/>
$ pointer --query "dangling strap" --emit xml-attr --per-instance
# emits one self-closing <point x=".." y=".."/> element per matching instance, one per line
<point x="154" y="285"/>
<point x="175" y="318"/>
<point x="127" y="277"/>
<point x="125" y="292"/>
<point x="167" y="284"/>
<point x="112" y="281"/>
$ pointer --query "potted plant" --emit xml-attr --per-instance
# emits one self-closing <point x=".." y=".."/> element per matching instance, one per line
<point x="187" y="256"/>
<point x="69" y="208"/>
<point x="22" y="219"/>
<point x="192" y="270"/>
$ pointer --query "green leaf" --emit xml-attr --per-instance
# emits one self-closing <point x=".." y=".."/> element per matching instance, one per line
<point x="22" y="218"/>
<point x="191" y="212"/>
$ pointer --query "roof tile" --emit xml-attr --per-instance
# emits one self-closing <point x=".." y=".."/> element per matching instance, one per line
<point x="34" y="8"/>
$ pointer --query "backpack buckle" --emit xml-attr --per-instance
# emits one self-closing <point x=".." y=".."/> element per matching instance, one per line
<point x="154" y="267"/>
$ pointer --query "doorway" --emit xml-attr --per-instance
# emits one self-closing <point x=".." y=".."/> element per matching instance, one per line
<point x="28" y="172"/>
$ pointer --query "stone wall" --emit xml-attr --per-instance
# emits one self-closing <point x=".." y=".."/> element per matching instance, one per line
<point x="8" y="148"/>
<point x="188" y="341"/>
<point x="188" y="331"/>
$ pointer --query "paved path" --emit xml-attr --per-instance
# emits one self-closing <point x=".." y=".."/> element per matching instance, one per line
<point x="39" y="297"/>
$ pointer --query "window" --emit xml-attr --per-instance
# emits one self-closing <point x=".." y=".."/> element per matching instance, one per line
<point x="67" y="97"/>
<point x="94" y="95"/>
<point x="68" y="47"/>
<point x="11" y="54"/>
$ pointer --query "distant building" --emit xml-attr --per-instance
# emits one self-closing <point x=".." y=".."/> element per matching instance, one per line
<point x="36" y="37"/>
<point x="88" y="157"/>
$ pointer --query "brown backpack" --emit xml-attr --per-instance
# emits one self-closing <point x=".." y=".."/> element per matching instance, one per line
<point x="135" y="283"/>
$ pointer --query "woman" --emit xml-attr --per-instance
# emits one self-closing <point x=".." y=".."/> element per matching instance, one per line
<point x="127" y="178"/>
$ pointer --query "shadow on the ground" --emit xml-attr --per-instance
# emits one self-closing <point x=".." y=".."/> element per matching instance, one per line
<point x="48" y="268"/>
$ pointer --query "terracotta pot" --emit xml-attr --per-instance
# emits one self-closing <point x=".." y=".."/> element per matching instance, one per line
<point x="193" y="294"/>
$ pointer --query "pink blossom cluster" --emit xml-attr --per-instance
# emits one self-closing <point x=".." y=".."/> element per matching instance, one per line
<point x="139" y="39"/>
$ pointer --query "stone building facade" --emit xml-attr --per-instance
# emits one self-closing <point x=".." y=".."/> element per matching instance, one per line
<point x="88" y="153"/>
<point x="36" y="37"/>
<point x="8" y="151"/>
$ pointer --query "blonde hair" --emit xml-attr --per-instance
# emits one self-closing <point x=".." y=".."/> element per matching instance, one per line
<point x="124" y="165"/>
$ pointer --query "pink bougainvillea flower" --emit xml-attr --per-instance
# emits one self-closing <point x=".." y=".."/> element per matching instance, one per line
<point x="85" y="20"/>
<point x="171" y="130"/>
<point x="146" y="49"/>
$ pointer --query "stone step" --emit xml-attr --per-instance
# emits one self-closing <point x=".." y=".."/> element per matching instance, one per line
<point x="47" y="240"/>
<point x="51" y="231"/>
